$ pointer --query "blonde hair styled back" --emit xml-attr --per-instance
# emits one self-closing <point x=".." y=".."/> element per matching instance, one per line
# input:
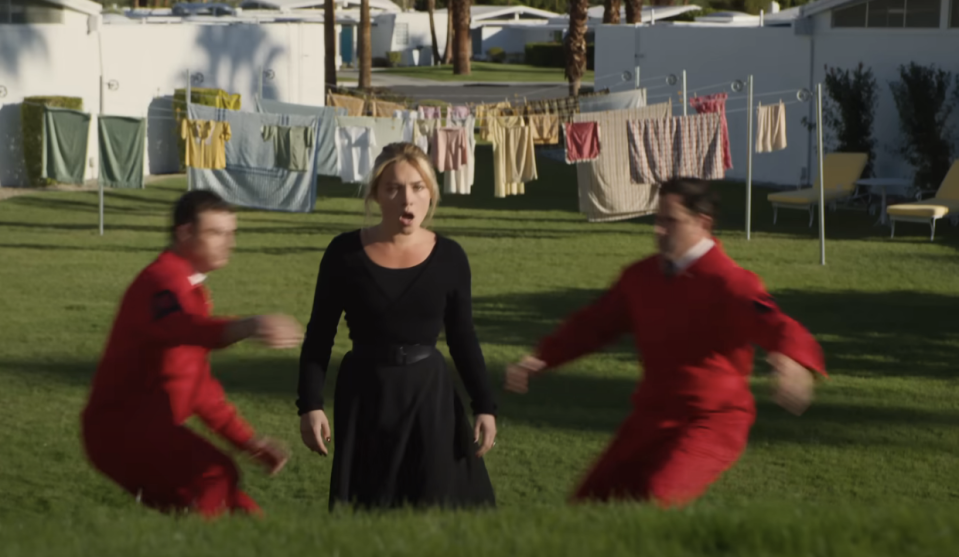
<point x="411" y="154"/>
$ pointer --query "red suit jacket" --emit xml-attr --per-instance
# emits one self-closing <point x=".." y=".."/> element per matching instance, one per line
<point x="155" y="371"/>
<point x="694" y="333"/>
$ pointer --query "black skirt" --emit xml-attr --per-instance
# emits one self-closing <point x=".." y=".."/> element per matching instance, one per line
<point x="403" y="438"/>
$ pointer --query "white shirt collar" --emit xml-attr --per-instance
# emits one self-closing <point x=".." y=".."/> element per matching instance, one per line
<point x="197" y="278"/>
<point x="693" y="255"/>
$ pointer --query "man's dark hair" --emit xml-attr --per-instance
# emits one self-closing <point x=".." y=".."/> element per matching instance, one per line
<point x="192" y="204"/>
<point x="697" y="195"/>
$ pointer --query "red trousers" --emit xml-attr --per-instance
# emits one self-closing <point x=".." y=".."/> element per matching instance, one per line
<point x="671" y="462"/>
<point x="168" y="468"/>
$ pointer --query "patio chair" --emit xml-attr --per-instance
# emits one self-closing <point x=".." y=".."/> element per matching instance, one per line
<point x="841" y="170"/>
<point x="944" y="203"/>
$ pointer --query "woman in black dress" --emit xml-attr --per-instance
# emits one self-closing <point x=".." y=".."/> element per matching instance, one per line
<point x="402" y="433"/>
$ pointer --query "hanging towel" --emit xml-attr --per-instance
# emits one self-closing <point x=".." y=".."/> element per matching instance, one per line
<point x="449" y="149"/>
<point x="545" y="128"/>
<point x="521" y="158"/>
<point x="605" y="191"/>
<point x="635" y="98"/>
<point x="66" y="136"/>
<point x="460" y="112"/>
<point x="461" y="181"/>
<point x="292" y="145"/>
<point x="684" y="146"/>
<point x="715" y="103"/>
<point x="504" y="160"/>
<point x="356" y="158"/>
<point x="771" y="128"/>
<point x="354" y="106"/>
<point x="251" y="178"/>
<point x="430" y="112"/>
<point x="122" y="143"/>
<point x="582" y="141"/>
<point x="385" y="130"/>
<point x="383" y="109"/>
<point x="423" y="131"/>
<point x="327" y="163"/>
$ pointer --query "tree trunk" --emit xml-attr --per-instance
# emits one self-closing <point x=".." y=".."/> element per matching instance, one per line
<point x="431" y="7"/>
<point x="611" y="11"/>
<point x="448" y="52"/>
<point x="363" y="47"/>
<point x="462" y="45"/>
<point x="634" y="11"/>
<point x="329" y="39"/>
<point x="576" y="45"/>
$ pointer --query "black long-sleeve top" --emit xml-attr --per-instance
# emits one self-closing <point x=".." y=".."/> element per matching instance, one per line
<point x="393" y="306"/>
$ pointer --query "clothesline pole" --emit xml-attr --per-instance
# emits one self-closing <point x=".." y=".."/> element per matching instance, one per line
<point x="685" y="97"/>
<point x="749" y="158"/>
<point x="636" y="76"/>
<point x="822" y="178"/>
<point x="99" y="181"/>
<point x="189" y="97"/>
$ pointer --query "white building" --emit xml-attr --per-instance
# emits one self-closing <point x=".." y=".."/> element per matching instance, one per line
<point x="63" y="47"/>
<point x="784" y="59"/>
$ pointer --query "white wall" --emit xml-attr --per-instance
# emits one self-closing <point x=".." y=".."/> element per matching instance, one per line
<point x="780" y="60"/>
<point x="384" y="36"/>
<point x="65" y="60"/>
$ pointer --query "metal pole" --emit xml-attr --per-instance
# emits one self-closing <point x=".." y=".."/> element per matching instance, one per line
<point x="636" y="75"/>
<point x="259" y="91"/>
<point x="749" y="163"/>
<point x="189" y="95"/>
<point x="822" y="178"/>
<point x="99" y="181"/>
<point x="685" y="98"/>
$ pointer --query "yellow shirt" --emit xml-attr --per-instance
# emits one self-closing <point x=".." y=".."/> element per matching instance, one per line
<point x="205" y="143"/>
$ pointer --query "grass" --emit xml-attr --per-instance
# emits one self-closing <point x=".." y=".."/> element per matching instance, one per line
<point x="871" y="469"/>
<point x="486" y="72"/>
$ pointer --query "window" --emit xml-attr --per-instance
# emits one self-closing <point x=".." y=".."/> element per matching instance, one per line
<point x="914" y="14"/>
<point x="402" y="34"/>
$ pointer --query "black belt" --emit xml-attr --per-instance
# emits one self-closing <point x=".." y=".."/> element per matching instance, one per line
<point x="393" y="354"/>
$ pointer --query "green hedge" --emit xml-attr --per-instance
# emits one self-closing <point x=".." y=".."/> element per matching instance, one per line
<point x="496" y="54"/>
<point x="552" y="55"/>
<point x="202" y="96"/>
<point x="394" y="58"/>
<point x="31" y="124"/>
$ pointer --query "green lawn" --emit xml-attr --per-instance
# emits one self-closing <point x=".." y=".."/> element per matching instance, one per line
<point x="486" y="71"/>
<point x="871" y="469"/>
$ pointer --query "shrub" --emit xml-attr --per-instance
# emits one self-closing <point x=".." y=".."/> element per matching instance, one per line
<point x="31" y="124"/>
<point x="379" y="62"/>
<point x="496" y="54"/>
<point x="553" y="55"/>
<point x="925" y="105"/>
<point x="394" y="59"/>
<point x="850" y="110"/>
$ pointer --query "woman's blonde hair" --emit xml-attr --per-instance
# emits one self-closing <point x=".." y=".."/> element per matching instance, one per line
<point x="409" y="153"/>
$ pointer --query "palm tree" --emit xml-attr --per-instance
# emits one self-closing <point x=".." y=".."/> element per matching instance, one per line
<point x="431" y="7"/>
<point x="611" y="11"/>
<point x="576" y="44"/>
<point x="462" y="45"/>
<point x="634" y="11"/>
<point x="363" y="50"/>
<point x="329" y="39"/>
<point x="448" y="52"/>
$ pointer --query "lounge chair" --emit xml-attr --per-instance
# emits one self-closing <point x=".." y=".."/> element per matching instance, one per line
<point x="841" y="171"/>
<point x="944" y="203"/>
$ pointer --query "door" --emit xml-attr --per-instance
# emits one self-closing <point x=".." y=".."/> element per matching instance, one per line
<point x="346" y="44"/>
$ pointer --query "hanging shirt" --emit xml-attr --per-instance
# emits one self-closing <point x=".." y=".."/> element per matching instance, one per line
<point x="458" y="112"/>
<point x="545" y="128"/>
<point x="292" y="145"/>
<point x="684" y="146"/>
<point x="449" y="150"/>
<point x="423" y="131"/>
<point x="771" y="128"/>
<point x="582" y="141"/>
<point x="461" y="181"/>
<point x="355" y="146"/>
<point x="430" y="112"/>
<point x="710" y="104"/>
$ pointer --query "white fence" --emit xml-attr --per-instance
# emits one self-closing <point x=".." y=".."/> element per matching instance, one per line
<point x="143" y="65"/>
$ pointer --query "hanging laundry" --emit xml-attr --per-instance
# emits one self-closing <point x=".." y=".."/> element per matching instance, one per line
<point x="356" y="153"/>
<point x="292" y="145"/>
<point x="385" y="130"/>
<point x="582" y="142"/>
<point x="521" y="158"/>
<point x="122" y="142"/>
<point x="771" y="128"/>
<point x="605" y="191"/>
<point x="715" y="103"/>
<point x="461" y="181"/>
<point x="423" y="131"/>
<point x="506" y="155"/>
<point x="408" y="119"/>
<point x="66" y="136"/>
<point x="684" y="146"/>
<point x="205" y="143"/>
<point x="430" y="112"/>
<point x="384" y="109"/>
<point x="458" y="112"/>
<point x="251" y="177"/>
<point x="327" y="163"/>
<point x="635" y="98"/>
<point x="354" y="106"/>
<point x="449" y="149"/>
<point x="545" y="128"/>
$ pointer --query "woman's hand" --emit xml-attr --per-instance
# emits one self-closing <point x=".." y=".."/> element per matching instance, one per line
<point x="485" y="427"/>
<point x="315" y="430"/>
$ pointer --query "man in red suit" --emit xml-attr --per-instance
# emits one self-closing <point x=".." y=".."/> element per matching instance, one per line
<point x="155" y="374"/>
<point x="694" y="315"/>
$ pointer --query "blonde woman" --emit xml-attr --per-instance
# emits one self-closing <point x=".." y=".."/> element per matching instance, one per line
<point x="403" y="436"/>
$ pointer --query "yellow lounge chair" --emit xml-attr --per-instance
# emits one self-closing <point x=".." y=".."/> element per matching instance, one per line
<point x="841" y="171"/>
<point x="944" y="203"/>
